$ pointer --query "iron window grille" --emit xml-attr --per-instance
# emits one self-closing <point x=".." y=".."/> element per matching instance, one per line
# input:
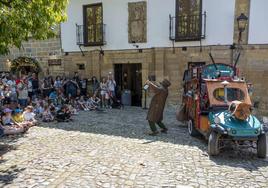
<point x="92" y="32"/>
<point x="188" y="24"/>
<point x="187" y="27"/>
<point x="82" y="40"/>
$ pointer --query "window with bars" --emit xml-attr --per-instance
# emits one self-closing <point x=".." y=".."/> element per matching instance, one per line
<point x="188" y="21"/>
<point x="93" y="25"/>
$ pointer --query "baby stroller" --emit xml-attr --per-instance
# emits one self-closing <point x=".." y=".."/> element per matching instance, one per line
<point x="115" y="102"/>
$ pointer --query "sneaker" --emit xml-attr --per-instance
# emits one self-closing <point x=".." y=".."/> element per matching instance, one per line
<point x="164" y="130"/>
<point x="153" y="133"/>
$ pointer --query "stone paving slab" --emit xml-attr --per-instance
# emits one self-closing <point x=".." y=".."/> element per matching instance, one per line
<point x="112" y="149"/>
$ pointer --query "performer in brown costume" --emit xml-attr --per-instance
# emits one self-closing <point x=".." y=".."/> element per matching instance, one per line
<point x="156" y="109"/>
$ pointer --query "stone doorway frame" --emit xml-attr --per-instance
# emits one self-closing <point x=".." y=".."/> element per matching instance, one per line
<point x="22" y="62"/>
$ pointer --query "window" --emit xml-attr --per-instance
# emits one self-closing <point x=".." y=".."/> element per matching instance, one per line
<point x="81" y="66"/>
<point x="137" y="22"/>
<point x="188" y="20"/>
<point x="93" y="25"/>
<point x="233" y="94"/>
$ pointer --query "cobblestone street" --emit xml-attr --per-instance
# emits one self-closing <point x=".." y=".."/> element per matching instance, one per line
<point x="111" y="149"/>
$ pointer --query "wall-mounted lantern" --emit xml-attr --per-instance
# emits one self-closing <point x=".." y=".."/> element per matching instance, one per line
<point x="242" y="22"/>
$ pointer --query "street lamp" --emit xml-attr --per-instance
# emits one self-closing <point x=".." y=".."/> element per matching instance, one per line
<point x="242" y="21"/>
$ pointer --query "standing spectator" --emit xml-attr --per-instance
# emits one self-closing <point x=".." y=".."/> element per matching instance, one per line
<point x="111" y="85"/>
<point x="58" y="83"/>
<point x="104" y="92"/>
<point x="35" y="85"/>
<point x="71" y="88"/>
<point x="111" y="89"/>
<point x="22" y="92"/>
<point x="83" y="83"/>
<point x="12" y="84"/>
<point x="95" y="85"/>
<point x="46" y="87"/>
<point x="7" y="94"/>
<point x="2" y="85"/>
<point x="76" y="77"/>
<point x="30" y="88"/>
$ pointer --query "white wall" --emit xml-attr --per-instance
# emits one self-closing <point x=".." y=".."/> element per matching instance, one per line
<point x="258" y="25"/>
<point x="219" y="30"/>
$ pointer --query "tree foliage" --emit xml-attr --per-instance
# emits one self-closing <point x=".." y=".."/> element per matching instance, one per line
<point x="24" y="19"/>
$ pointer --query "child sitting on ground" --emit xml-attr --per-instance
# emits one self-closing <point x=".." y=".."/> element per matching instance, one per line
<point x="93" y="103"/>
<point x="53" y="97"/>
<point x="9" y="126"/>
<point x="63" y="115"/>
<point x="29" y="116"/>
<point x="82" y="104"/>
<point x="39" y="108"/>
<point x="47" y="115"/>
<point x="17" y="117"/>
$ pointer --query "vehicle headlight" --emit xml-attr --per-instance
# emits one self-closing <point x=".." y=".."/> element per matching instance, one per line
<point x="217" y="120"/>
<point x="233" y="131"/>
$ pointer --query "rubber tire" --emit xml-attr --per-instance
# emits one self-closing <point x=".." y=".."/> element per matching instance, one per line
<point x="213" y="144"/>
<point x="191" y="129"/>
<point x="262" y="146"/>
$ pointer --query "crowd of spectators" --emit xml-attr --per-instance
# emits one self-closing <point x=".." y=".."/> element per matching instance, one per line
<point x="27" y="100"/>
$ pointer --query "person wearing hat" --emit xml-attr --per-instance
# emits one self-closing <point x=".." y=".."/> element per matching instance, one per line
<point x="17" y="116"/>
<point x="9" y="126"/>
<point x="156" y="109"/>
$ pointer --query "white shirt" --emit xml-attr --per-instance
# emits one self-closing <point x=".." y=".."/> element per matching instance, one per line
<point x="28" y="116"/>
<point x="12" y="84"/>
<point x="111" y="85"/>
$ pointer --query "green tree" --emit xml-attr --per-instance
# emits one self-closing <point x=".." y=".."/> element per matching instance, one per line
<point x="24" y="19"/>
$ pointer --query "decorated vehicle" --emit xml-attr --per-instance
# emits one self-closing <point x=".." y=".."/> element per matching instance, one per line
<point x="217" y="105"/>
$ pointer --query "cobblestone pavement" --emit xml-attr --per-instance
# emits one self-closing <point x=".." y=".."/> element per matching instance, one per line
<point x="112" y="150"/>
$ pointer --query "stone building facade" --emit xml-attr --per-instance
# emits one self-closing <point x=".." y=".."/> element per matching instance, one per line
<point x="42" y="51"/>
<point x="170" y="63"/>
<point x="161" y="61"/>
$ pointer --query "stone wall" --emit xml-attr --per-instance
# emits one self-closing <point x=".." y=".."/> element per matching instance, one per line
<point x="41" y="51"/>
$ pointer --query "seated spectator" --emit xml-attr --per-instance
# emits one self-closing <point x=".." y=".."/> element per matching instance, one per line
<point x="7" y="118"/>
<point x="29" y="116"/>
<point x="39" y="108"/>
<point x="93" y="103"/>
<point x="47" y="115"/>
<point x="82" y="104"/>
<point x="72" y="110"/>
<point x="53" y="97"/>
<point x="8" y="126"/>
<point x="63" y="115"/>
<point x="17" y="117"/>
<point x="61" y="99"/>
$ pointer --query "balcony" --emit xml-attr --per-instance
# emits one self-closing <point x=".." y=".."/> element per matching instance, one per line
<point x="94" y="36"/>
<point x="187" y="27"/>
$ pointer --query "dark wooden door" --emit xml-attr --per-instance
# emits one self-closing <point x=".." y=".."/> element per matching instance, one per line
<point x="129" y="77"/>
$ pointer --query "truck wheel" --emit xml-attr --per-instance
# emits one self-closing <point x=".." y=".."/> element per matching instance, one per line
<point x="213" y="143"/>
<point x="191" y="128"/>
<point x="262" y="146"/>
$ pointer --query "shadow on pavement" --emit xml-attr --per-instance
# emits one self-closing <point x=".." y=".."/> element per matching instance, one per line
<point x="131" y="123"/>
<point x="7" y="144"/>
<point x="7" y="177"/>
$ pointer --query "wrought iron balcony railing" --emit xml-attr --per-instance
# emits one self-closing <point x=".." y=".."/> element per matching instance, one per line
<point x="93" y="35"/>
<point x="187" y="27"/>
